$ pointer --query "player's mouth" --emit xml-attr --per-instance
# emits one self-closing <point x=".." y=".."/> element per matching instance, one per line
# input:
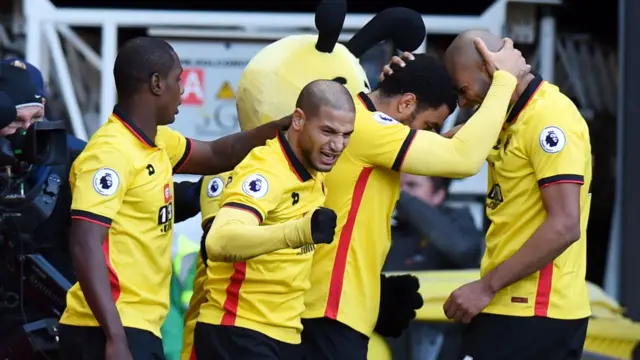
<point x="328" y="158"/>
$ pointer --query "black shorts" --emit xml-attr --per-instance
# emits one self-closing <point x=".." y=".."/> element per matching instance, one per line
<point x="88" y="343"/>
<point x="327" y="339"/>
<point x="500" y="337"/>
<point x="220" y="342"/>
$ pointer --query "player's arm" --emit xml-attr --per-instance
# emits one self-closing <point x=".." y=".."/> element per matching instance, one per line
<point x="237" y="232"/>
<point x="213" y="157"/>
<point x="560" y="173"/>
<point x="427" y="153"/>
<point x="187" y="201"/>
<point x="101" y="177"/>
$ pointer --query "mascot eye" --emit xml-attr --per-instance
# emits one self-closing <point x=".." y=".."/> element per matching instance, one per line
<point x="367" y="86"/>
<point x="340" y="80"/>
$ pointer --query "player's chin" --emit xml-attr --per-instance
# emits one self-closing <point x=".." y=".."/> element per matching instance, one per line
<point x="325" y="163"/>
<point x="169" y="120"/>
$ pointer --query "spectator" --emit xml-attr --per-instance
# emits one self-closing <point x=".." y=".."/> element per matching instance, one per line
<point x="430" y="235"/>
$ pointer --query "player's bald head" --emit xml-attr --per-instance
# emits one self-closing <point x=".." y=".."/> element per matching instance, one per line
<point x="324" y="93"/>
<point x="462" y="51"/>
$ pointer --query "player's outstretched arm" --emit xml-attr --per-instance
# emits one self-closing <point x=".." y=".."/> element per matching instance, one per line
<point x="236" y="234"/>
<point x="463" y="155"/>
<point x="223" y="154"/>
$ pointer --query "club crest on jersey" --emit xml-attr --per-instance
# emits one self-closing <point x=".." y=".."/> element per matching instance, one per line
<point x="552" y="139"/>
<point x="167" y="193"/>
<point x="255" y="186"/>
<point x="106" y="181"/>
<point x="215" y="186"/>
<point x="383" y="118"/>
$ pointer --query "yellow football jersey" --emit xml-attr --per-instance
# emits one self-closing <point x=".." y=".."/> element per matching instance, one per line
<point x="266" y="293"/>
<point x="545" y="141"/>
<point x="364" y="187"/>
<point x="123" y="180"/>
<point x="210" y="192"/>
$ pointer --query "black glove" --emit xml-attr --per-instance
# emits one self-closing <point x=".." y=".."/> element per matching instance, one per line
<point x="323" y="225"/>
<point x="399" y="300"/>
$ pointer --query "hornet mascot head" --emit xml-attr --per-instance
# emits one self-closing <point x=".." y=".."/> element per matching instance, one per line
<point x="271" y="82"/>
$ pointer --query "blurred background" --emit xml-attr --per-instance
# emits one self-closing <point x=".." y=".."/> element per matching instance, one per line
<point x="575" y="44"/>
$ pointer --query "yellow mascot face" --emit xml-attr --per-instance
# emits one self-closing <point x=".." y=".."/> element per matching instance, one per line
<point x="271" y="82"/>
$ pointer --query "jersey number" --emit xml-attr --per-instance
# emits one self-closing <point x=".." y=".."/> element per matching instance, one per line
<point x="165" y="215"/>
<point x="295" y="198"/>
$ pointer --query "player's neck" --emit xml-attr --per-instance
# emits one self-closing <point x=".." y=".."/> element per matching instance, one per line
<point x="521" y="87"/>
<point x="292" y="139"/>
<point x="141" y="116"/>
<point x="382" y="103"/>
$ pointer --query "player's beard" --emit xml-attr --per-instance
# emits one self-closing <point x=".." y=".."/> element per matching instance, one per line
<point x="307" y="158"/>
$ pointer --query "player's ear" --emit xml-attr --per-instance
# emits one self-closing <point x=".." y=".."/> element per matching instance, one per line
<point x="407" y="103"/>
<point x="155" y="84"/>
<point x="297" y="119"/>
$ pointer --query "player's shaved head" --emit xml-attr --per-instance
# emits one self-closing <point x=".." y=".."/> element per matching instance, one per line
<point x="322" y="123"/>
<point x="462" y="51"/>
<point x="466" y="66"/>
<point x="324" y="93"/>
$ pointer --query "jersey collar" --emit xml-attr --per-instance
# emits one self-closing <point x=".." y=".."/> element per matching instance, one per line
<point x="366" y="101"/>
<point x="524" y="99"/>
<point x="301" y="172"/>
<point x="135" y="130"/>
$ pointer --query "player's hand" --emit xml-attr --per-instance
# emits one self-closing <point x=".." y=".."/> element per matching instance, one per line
<point x="467" y="301"/>
<point x="396" y="60"/>
<point x="323" y="225"/>
<point x="117" y="349"/>
<point x="508" y="58"/>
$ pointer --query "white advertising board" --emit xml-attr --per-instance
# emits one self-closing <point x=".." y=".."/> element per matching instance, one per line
<point x="212" y="70"/>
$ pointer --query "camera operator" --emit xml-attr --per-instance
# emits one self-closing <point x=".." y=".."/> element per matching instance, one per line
<point x="430" y="235"/>
<point x="22" y="106"/>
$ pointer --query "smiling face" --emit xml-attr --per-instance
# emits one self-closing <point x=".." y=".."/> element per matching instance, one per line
<point x="323" y="137"/>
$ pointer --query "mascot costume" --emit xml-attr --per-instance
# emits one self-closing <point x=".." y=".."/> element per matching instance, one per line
<point x="273" y="79"/>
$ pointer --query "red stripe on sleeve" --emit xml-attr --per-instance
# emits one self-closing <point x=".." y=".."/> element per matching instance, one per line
<point x="113" y="276"/>
<point x="91" y="221"/>
<point x="543" y="294"/>
<point x="340" y="262"/>
<point x="233" y="293"/>
<point x="562" y="182"/>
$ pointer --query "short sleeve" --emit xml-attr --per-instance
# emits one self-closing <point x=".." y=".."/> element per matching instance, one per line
<point x="386" y="141"/>
<point x="253" y="189"/>
<point x="558" y="148"/>
<point x="99" y="180"/>
<point x="210" y="193"/>
<point x="177" y="146"/>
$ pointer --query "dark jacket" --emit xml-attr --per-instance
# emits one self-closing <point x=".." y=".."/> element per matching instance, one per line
<point x="428" y="238"/>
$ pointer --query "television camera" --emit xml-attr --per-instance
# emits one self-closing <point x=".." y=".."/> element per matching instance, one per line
<point x="29" y="191"/>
